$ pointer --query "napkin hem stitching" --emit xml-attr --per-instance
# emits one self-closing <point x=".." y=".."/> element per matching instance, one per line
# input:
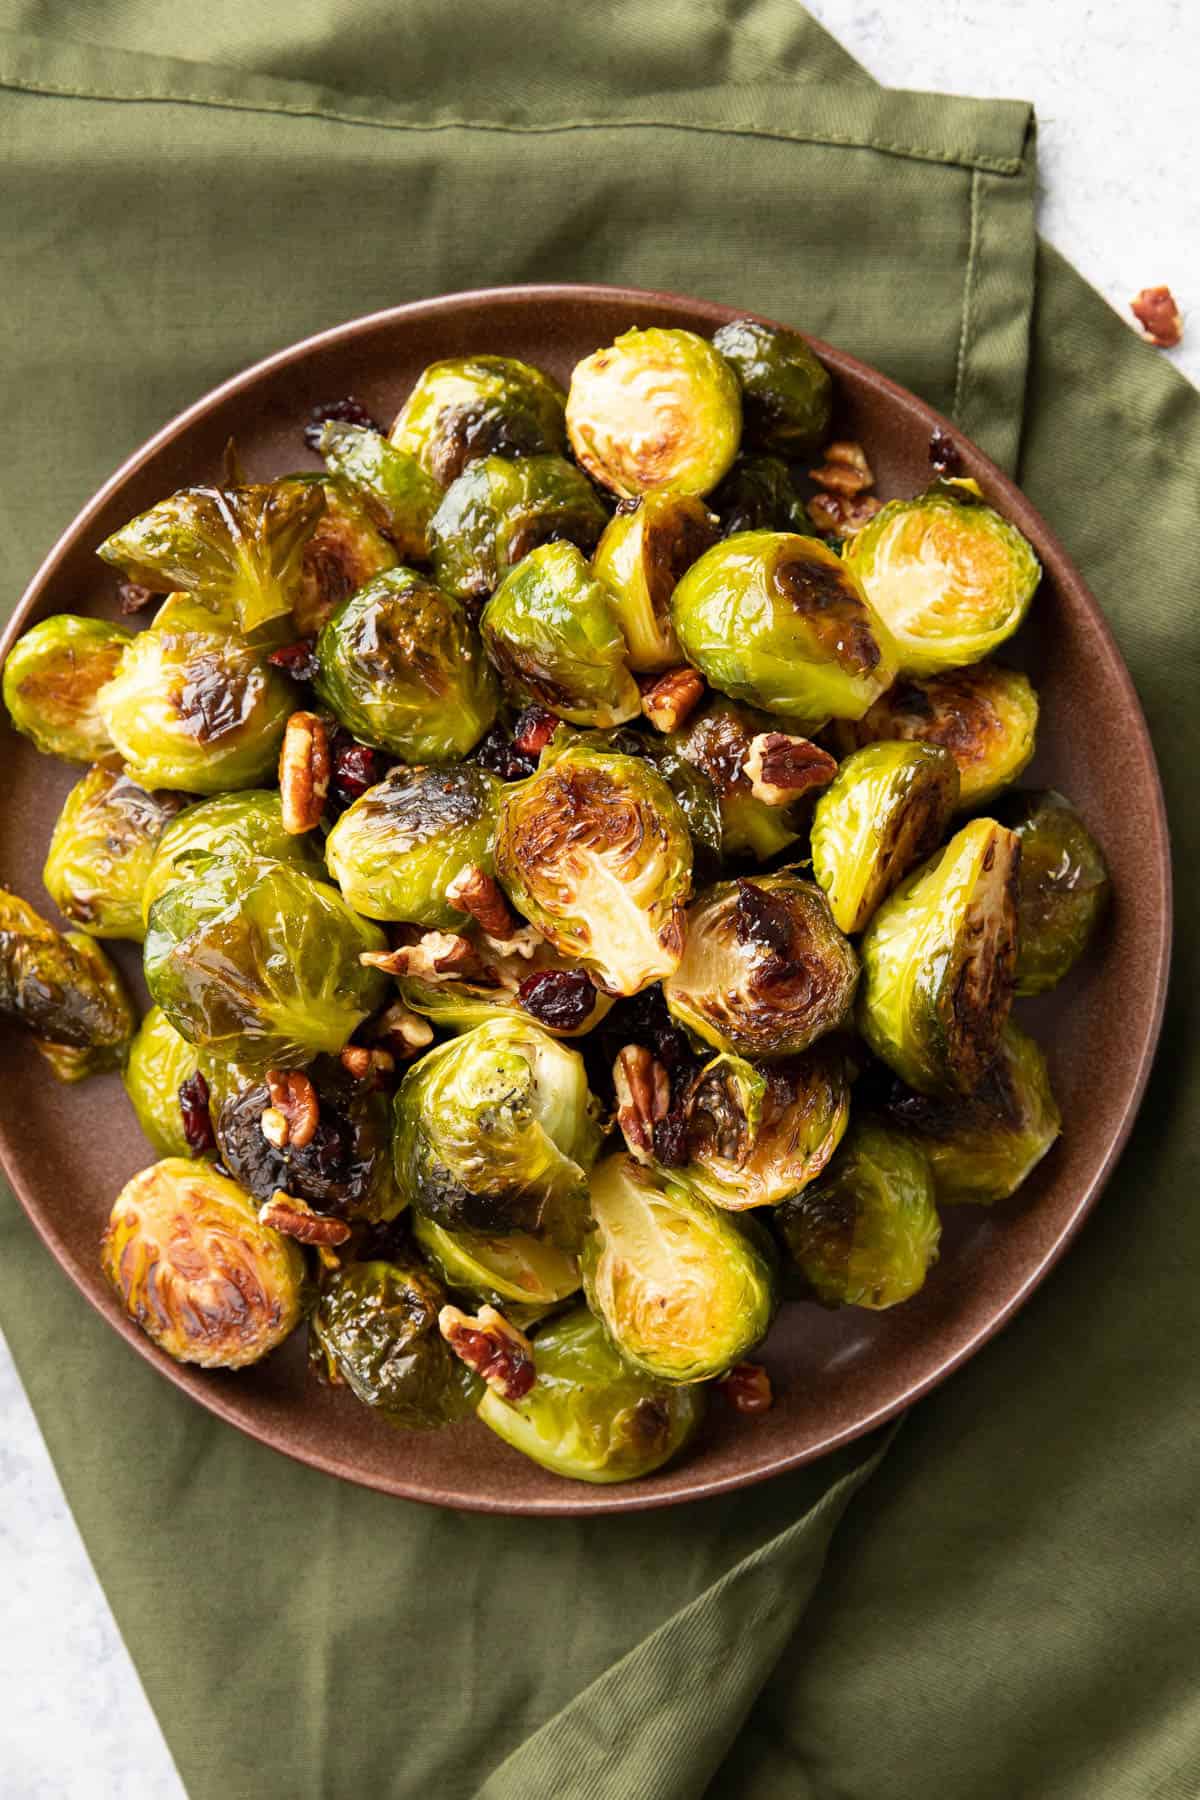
<point x="964" y="335"/>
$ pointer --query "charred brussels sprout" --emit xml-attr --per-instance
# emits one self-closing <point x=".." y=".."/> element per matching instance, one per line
<point x="401" y="668"/>
<point x="758" y="494"/>
<point x="397" y="492"/>
<point x="938" y="962"/>
<point x="397" y="849"/>
<point x="159" y="1063"/>
<point x="495" y="1132"/>
<point x="543" y="985"/>
<point x="985" y="716"/>
<point x="234" y="828"/>
<point x="765" y="971"/>
<point x="982" y="1145"/>
<point x="866" y="1234"/>
<point x="684" y="1289"/>
<point x="473" y="406"/>
<point x="594" y="850"/>
<point x="551" y="630"/>
<point x="239" y="549"/>
<point x="657" y="409"/>
<point x="52" y="683"/>
<point x="346" y="550"/>
<point x="787" y="395"/>
<point x="259" y="964"/>
<point x="717" y="741"/>
<point x="375" y="1330"/>
<point x="1063" y="888"/>
<point x="948" y="576"/>
<point x="887" y="808"/>
<point x="193" y="1267"/>
<point x="521" y="1275"/>
<point x="645" y="550"/>
<point x="193" y="706"/>
<point x="756" y="1137"/>
<point x="498" y="511"/>
<point x="64" y="990"/>
<point x="589" y="1416"/>
<point x="777" y="620"/>
<point x="101" y="852"/>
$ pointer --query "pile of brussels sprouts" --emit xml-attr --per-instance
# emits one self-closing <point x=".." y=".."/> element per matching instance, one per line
<point x="582" y="901"/>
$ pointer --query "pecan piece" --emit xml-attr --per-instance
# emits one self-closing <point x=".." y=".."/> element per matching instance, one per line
<point x="643" y="1098"/>
<point x="841" y="515"/>
<point x="296" y="1219"/>
<point x="1158" y="315"/>
<point x="780" y="767"/>
<point x="845" y="470"/>
<point x="480" y="895"/>
<point x="294" y="1099"/>
<point x="361" y="1063"/>
<point x="672" y="697"/>
<point x="748" y="1387"/>
<point x="304" y="772"/>
<point x="496" y="1350"/>
<point x="404" y="1030"/>
<point x="435" y="953"/>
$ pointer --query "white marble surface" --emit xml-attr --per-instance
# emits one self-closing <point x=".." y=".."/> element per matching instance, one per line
<point x="1114" y="88"/>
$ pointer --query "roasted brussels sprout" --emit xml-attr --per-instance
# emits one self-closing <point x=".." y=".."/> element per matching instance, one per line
<point x="657" y="409"/>
<point x="240" y="550"/>
<point x="938" y="962"/>
<point x="778" y="620"/>
<point x="375" y="1329"/>
<point x="101" y="851"/>
<point x="948" y="576"/>
<point x="523" y="1276"/>
<point x="985" y="716"/>
<point x="594" y="850"/>
<point x="473" y="406"/>
<point x="52" y="682"/>
<point x="64" y="990"/>
<point x="756" y="1137"/>
<point x="765" y="971"/>
<point x="887" y="808"/>
<point x="158" y="1065"/>
<point x="982" y="1145"/>
<point x="1063" y="887"/>
<point x="196" y="1270"/>
<point x="259" y="964"/>
<point x="397" y="849"/>
<point x="495" y="1132"/>
<point x="193" y="706"/>
<point x="551" y="630"/>
<point x="499" y="510"/>
<point x="402" y="669"/>
<point x="589" y="1416"/>
<point x="346" y="550"/>
<point x="866" y="1234"/>
<point x="642" y="555"/>
<point x="717" y="741"/>
<point x="787" y="394"/>
<point x="397" y="492"/>
<point x="758" y="494"/>
<point x="543" y="985"/>
<point x="233" y="827"/>
<point x="685" y="1290"/>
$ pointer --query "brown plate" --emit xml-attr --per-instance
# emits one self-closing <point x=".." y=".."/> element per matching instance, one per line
<point x="836" y="1374"/>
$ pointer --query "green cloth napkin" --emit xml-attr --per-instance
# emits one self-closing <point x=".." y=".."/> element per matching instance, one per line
<point x="1012" y="1607"/>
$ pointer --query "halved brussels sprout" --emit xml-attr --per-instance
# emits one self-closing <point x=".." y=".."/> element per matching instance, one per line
<point x="765" y="971"/>
<point x="866" y="1234"/>
<point x="778" y="620"/>
<point x="397" y="849"/>
<point x="52" y="682"/>
<point x="193" y="1266"/>
<point x="260" y="964"/>
<point x="887" y="808"/>
<point x="159" y="1063"/>
<point x="64" y="990"/>
<point x="1063" y="888"/>
<point x="239" y="549"/>
<point x="101" y="851"/>
<point x="193" y="706"/>
<point x="594" y="850"/>
<point x="717" y="740"/>
<point x="473" y="406"/>
<point x="985" y="716"/>
<point x="401" y="668"/>
<point x="685" y="1290"/>
<point x="495" y="1132"/>
<point x="512" y="985"/>
<point x="234" y="827"/>
<point x="551" y="630"/>
<point x="589" y="1416"/>
<point x="398" y="493"/>
<point x="756" y="1137"/>
<point x="948" y="576"/>
<point x="982" y="1145"/>
<point x="657" y="409"/>
<point x="787" y="394"/>
<point x="375" y="1329"/>
<point x="938" y="962"/>
<point x="645" y="550"/>
<point x="346" y="550"/>
<point x="758" y="494"/>
<point x="523" y="1276"/>
<point x="498" y="511"/>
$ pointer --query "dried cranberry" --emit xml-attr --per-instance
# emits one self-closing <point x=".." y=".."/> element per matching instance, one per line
<point x="671" y="1139"/>
<point x="193" y="1110"/>
<point x="356" y="767"/>
<point x="944" y="454"/>
<point x="560" y="999"/>
<point x="498" y="753"/>
<point x="135" y="598"/>
<point x="643" y="1019"/>
<point x="534" y="729"/>
<point x="347" y="412"/>
<point x="299" y="660"/>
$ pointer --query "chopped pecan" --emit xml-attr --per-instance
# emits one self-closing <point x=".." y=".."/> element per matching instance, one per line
<point x="296" y="1219"/>
<point x="643" y="1098"/>
<point x="294" y="1096"/>
<point x="845" y="470"/>
<point x="274" y="1127"/>
<point x="670" y="698"/>
<point x="480" y="895"/>
<point x="304" y="772"/>
<point x="435" y="953"/>
<point x="405" y="1031"/>
<point x="1158" y="315"/>
<point x="748" y="1387"/>
<point x="780" y="767"/>
<point x="840" y="515"/>
<point x="496" y="1350"/>
<point x="360" y="1062"/>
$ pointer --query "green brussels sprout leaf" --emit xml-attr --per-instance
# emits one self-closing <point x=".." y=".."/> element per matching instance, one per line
<point x="886" y="809"/>
<point x="551" y="630"/>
